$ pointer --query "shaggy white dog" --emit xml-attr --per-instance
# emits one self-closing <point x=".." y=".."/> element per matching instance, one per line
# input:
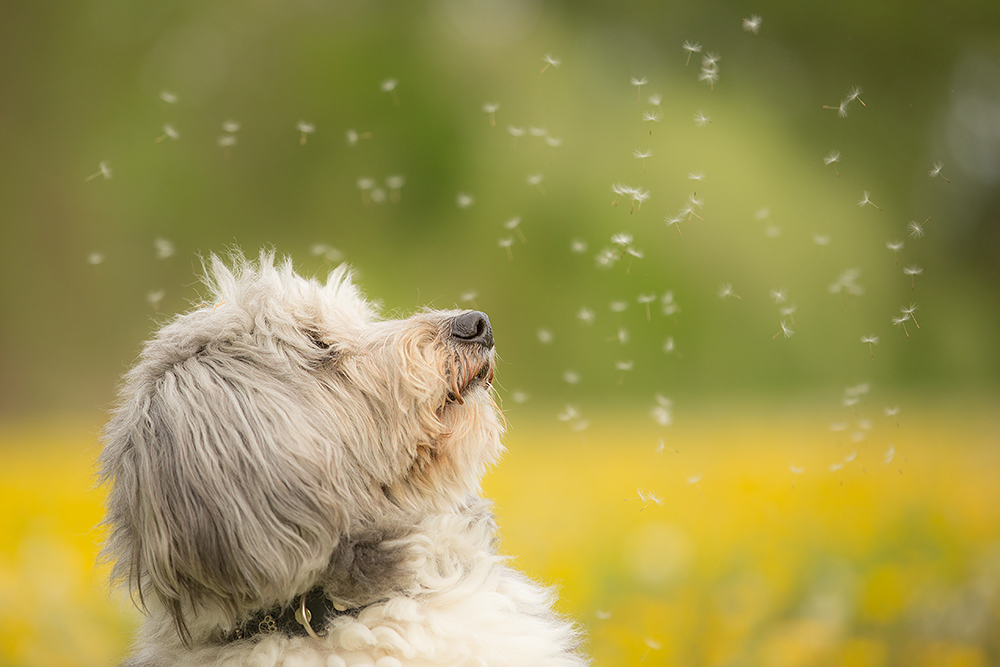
<point x="296" y="481"/>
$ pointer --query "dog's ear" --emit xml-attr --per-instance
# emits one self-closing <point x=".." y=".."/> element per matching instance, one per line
<point x="218" y="496"/>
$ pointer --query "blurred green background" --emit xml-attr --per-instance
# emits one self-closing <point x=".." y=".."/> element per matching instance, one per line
<point x="140" y="137"/>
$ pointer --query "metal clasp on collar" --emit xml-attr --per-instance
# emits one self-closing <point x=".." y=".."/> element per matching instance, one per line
<point x="303" y="616"/>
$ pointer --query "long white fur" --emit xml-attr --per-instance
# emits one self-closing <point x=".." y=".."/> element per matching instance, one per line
<point x="285" y="437"/>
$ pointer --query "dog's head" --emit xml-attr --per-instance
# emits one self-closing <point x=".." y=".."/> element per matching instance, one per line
<point x="259" y="430"/>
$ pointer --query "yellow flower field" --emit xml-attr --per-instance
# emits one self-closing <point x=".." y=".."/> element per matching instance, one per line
<point x="732" y="544"/>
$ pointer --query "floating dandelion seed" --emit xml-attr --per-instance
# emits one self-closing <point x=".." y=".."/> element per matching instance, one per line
<point x="515" y="131"/>
<point x="675" y="221"/>
<point x="620" y="190"/>
<point x="571" y="377"/>
<point x="538" y="131"/>
<point x="514" y="225"/>
<point x="779" y="296"/>
<point x="389" y="86"/>
<point x="622" y="336"/>
<point x="833" y="157"/>
<point x="578" y="246"/>
<point x="550" y="62"/>
<point x="520" y="396"/>
<point x="691" y="47"/>
<point x="908" y="311"/>
<point x="468" y="297"/>
<point x="536" y="181"/>
<point x="164" y="248"/>
<point x="663" y="412"/>
<point x="231" y="126"/>
<point x="395" y="184"/>
<point x="353" y="136"/>
<point x="701" y="120"/>
<point x="639" y="83"/>
<point x="916" y="229"/>
<point x="901" y="321"/>
<point x="726" y="290"/>
<point x="102" y="170"/>
<point x="545" y="336"/>
<point x="694" y="479"/>
<point x="327" y="252"/>
<point x="795" y="470"/>
<point x="895" y="247"/>
<point x="696" y="175"/>
<point x="464" y="201"/>
<point x="870" y="341"/>
<point x="506" y="244"/>
<point x="936" y="171"/>
<point x="638" y="196"/>
<point x="646" y="299"/>
<point x="168" y="133"/>
<point x="155" y="298"/>
<point x="553" y="142"/>
<point x="95" y="258"/>
<point x="624" y="365"/>
<point x="647" y="497"/>
<point x="305" y="129"/>
<point x="889" y="455"/>
<point x="618" y="306"/>
<point x="168" y="97"/>
<point x="490" y="108"/>
<point x="821" y="240"/>
<point x="642" y="155"/>
<point x="227" y="141"/>
<point x="866" y="200"/>
<point x="569" y="413"/>
<point x="651" y="117"/>
<point x="785" y="330"/>
<point x="789" y="312"/>
<point x="669" y="346"/>
<point x="854" y="94"/>
<point x="670" y="306"/>
<point x="752" y="24"/>
<point x="913" y="271"/>
<point x="586" y="315"/>
<point x="655" y="100"/>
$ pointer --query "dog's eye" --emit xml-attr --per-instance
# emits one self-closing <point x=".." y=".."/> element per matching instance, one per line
<point x="316" y="340"/>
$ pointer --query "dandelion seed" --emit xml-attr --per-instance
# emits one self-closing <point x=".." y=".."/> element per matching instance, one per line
<point x="789" y="312"/>
<point x="696" y="175"/>
<point x="514" y="225"/>
<point x="164" y="248"/>
<point x="638" y="196"/>
<point x="670" y="306"/>
<point x="464" y="201"/>
<point x="95" y="258"/>
<point x="168" y="97"/>
<point x="535" y="180"/>
<point x="353" y="136"/>
<point x="669" y="346"/>
<point x="779" y="296"/>
<point x="168" y="133"/>
<point x="785" y="330"/>
<point x="691" y="47"/>
<point x="102" y="170"/>
<point x="618" y="306"/>
<point x="833" y="157"/>
<point x="701" y="120"/>
<point x="651" y="117"/>
<point x="901" y="321"/>
<point x="795" y="470"/>
<point x="578" y="246"/>
<point x="622" y="336"/>
<point x="586" y="315"/>
<point x="620" y="190"/>
<point x="694" y="479"/>
<point x="490" y="108"/>
<point x="515" y="131"/>
<point x="854" y="94"/>
<point x="870" y="340"/>
<point x="378" y="195"/>
<point x="537" y="131"/>
<point x="821" y="240"/>
<point x="752" y="24"/>
<point x="328" y="252"/>
<point x="726" y="290"/>
<point x="638" y="83"/>
<point x="710" y="76"/>
<point x="305" y="129"/>
<point x="655" y="100"/>
<point x="674" y="221"/>
<point x="231" y="126"/>
<point x="227" y="141"/>
<point x="395" y="184"/>
<point x="571" y="377"/>
<point x="155" y="298"/>
<point x="847" y="282"/>
<point x="913" y="271"/>
<point x="550" y="62"/>
<point x="506" y="244"/>
<point x="916" y="229"/>
<point x="834" y="467"/>
<point x="662" y="413"/>
<point x="895" y="247"/>
<point x="642" y="155"/>
<point x="889" y="455"/>
<point x="936" y="171"/>
<point x="602" y="614"/>
<point x="908" y="311"/>
<point x="624" y="365"/>
<point x="389" y="86"/>
<point x="545" y="336"/>
<point x="553" y="142"/>
<point x="569" y="413"/>
<point x="468" y="297"/>
<point x="520" y="396"/>
<point x="646" y="299"/>
<point x="866" y="200"/>
<point x="850" y="457"/>
<point x="893" y="412"/>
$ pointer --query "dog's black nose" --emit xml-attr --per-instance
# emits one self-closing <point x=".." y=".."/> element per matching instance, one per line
<point x="473" y="327"/>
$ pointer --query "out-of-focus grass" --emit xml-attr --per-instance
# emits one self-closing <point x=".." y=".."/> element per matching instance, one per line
<point x="873" y="564"/>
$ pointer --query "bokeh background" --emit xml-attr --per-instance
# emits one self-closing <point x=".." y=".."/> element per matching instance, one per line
<point x="703" y="454"/>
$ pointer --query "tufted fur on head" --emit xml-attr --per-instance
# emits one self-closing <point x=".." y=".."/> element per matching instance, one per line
<point x="286" y="437"/>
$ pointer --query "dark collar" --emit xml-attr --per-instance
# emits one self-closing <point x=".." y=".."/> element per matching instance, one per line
<point x="319" y="611"/>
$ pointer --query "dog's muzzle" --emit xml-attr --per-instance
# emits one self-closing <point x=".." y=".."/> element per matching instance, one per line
<point x="472" y="342"/>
